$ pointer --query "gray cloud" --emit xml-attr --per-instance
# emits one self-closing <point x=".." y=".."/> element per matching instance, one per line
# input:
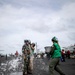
<point x="42" y="29"/>
<point x="36" y="23"/>
<point x="44" y="4"/>
<point x="71" y="36"/>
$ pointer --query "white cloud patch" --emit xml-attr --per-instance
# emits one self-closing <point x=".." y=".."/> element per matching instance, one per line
<point x="39" y="25"/>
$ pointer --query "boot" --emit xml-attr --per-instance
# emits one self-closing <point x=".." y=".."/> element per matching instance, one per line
<point x="29" y="72"/>
<point x="24" y="73"/>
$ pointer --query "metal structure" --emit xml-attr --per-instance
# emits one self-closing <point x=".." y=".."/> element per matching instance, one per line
<point x="47" y="49"/>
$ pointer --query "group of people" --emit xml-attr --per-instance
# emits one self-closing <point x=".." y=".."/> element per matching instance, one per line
<point x="65" y="54"/>
<point x="55" y="53"/>
<point x="28" y="56"/>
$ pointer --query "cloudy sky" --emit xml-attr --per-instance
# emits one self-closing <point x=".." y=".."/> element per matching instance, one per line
<point x="37" y="20"/>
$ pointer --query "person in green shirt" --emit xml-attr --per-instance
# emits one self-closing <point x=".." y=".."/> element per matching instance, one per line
<point x="55" y="57"/>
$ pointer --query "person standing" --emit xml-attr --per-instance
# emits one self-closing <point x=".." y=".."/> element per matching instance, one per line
<point x="26" y="56"/>
<point x="63" y="55"/>
<point x="55" y="57"/>
<point x="68" y="54"/>
<point x="31" y="58"/>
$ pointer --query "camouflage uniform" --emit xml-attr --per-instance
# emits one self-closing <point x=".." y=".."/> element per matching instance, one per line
<point x="26" y="57"/>
<point x="31" y="57"/>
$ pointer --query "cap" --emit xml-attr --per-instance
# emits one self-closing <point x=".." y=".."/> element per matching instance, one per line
<point x="26" y="41"/>
<point x="54" y="39"/>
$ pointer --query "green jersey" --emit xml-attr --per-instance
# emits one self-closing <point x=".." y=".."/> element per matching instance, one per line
<point x="57" y="51"/>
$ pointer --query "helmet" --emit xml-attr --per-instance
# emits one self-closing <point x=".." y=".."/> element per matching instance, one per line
<point x="33" y="44"/>
<point x="54" y="39"/>
<point x="25" y="41"/>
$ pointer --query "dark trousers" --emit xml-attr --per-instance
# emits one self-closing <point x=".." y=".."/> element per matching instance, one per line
<point x="54" y="66"/>
<point x="63" y="58"/>
<point x="26" y="64"/>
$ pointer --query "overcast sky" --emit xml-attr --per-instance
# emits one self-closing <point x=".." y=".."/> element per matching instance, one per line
<point x="37" y="20"/>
